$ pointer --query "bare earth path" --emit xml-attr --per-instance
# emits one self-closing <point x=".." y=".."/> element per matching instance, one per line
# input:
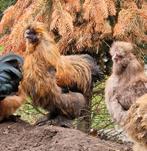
<point x="21" y="136"/>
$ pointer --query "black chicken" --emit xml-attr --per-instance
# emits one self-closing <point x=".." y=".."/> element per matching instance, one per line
<point x="10" y="76"/>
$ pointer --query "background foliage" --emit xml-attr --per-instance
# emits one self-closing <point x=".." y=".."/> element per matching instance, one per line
<point x="4" y="4"/>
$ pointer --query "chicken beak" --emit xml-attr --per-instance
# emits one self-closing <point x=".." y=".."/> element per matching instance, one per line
<point x="27" y="34"/>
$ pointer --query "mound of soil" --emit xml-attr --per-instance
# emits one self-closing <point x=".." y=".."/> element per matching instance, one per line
<point x="21" y="136"/>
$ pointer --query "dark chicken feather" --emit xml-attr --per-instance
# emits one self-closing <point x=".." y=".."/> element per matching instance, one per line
<point x="10" y="74"/>
<point x="97" y="73"/>
<point x="11" y="59"/>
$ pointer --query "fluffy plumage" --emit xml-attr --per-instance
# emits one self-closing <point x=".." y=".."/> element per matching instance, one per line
<point x="39" y="83"/>
<point x="126" y="94"/>
<point x="59" y="84"/>
<point x="39" y="76"/>
<point x="127" y="82"/>
<point x="10" y="76"/>
<point x="78" y="71"/>
<point x="136" y="123"/>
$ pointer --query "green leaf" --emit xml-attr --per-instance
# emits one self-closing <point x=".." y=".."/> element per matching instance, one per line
<point x="1" y="48"/>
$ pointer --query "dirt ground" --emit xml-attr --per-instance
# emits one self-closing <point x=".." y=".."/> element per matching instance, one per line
<point x="20" y="136"/>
